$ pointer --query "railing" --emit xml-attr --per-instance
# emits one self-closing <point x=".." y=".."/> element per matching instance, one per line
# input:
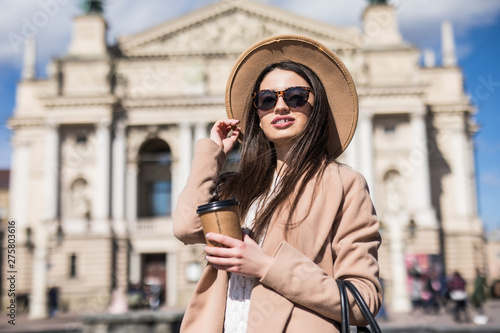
<point x="152" y="225"/>
<point x="164" y="321"/>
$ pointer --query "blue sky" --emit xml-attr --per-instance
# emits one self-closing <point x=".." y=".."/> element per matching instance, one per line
<point x="476" y="27"/>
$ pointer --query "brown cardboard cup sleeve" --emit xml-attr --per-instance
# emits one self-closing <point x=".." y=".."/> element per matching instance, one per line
<point x="220" y="217"/>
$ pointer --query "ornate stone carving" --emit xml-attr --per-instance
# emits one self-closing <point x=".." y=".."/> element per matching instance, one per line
<point x="229" y="32"/>
<point x="80" y="207"/>
<point x="393" y="200"/>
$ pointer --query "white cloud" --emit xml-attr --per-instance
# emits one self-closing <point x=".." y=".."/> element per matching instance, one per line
<point x="46" y="20"/>
<point x="419" y="19"/>
<point x="339" y="13"/>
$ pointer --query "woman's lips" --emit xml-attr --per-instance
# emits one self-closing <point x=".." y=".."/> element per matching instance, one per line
<point x="282" y="122"/>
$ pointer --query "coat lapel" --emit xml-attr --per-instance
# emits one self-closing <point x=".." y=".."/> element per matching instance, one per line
<point x="269" y="311"/>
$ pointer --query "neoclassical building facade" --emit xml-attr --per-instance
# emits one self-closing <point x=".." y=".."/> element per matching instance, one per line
<point x="103" y="146"/>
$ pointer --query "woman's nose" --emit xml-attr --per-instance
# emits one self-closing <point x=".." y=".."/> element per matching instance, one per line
<point x="281" y="106"/>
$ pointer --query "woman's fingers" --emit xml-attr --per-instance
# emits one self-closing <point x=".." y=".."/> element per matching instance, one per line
<point x="242" y="257"/>
<point x="222" y="239"/>
<point x="220" y="130"/>
<point x="224" y="126"/>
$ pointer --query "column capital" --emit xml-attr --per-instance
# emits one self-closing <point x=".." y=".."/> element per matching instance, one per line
<point x="52" y="124"/>
<point x="200" y="130"/>
<point x="121" y="125"/>
<point x="185" y="124"/>
<point x="102" y="190"/>
<point x="418" y="113"/>
<point x="17" y="142"/>
<point x="103" y="124"/>
<point x="365" y="115"/>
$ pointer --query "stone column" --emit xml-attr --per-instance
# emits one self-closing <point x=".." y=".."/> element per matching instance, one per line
<point x="102" y="184"/>
<point x="51" y="171"/>
<point x="131" y="197"/>
<point x="135" y="267"/>
<point x="38" y="302"/>
<point x="171" y="279"/>
<point x="180" y="170"/>
<point x="419" y="159"/>
<point x="186" y="151"/>
<point x="470" y="156"/>
<point x="18" y="203"/>
<point x="200" y="131"/>
<point x="365" y="141"/>
<point x="38" y="306"/>
<point x="118" y="178"/>
<point x="400" y="298"/>
<point x="351" y="154"/>
<point x="461" y="172"/>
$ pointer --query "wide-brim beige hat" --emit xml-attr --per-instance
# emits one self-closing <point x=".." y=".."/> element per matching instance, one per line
<point x="332" y="72"/>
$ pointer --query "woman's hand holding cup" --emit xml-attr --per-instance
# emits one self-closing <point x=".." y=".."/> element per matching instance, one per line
<point x="219" y="134"/>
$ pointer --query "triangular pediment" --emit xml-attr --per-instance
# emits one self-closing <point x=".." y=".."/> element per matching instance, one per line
<point x="231" y="26"/>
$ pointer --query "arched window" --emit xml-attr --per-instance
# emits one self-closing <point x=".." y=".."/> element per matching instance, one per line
<point x="155" y="179"/>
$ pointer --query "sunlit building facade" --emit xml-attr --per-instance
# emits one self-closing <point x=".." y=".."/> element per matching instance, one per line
<point x="103" y="146"/>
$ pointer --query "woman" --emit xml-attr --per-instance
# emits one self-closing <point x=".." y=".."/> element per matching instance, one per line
<point x="457" y="286"/>
<point x="311" y="220"/>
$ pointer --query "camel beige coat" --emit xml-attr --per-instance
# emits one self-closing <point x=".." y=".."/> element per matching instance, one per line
<point x="338" y="239"/>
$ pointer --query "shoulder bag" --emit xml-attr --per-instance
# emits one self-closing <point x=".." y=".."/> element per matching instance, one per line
<point x="344" y="303"/>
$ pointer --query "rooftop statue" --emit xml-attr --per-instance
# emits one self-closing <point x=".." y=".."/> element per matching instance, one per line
<point x="92" y="6"/>
<point x="378" y="2"/>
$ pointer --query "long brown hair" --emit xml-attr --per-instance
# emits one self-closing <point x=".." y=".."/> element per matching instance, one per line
<point x="307" y="156"/>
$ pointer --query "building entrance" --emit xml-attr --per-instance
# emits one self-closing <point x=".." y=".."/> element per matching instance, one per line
<point x="154" y="276"/>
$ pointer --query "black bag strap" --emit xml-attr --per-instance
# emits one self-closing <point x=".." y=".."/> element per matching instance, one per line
<point x="363" y="307"/>
<point x="344" y="307"/>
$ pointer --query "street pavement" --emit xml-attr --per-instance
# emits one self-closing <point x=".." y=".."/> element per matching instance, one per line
<point x="417" y="321"/>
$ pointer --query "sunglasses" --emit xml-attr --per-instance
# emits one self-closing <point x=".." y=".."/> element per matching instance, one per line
<point x="294" y="97"/>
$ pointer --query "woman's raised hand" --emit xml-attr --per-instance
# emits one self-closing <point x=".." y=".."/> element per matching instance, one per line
<point x="221" y="129"/>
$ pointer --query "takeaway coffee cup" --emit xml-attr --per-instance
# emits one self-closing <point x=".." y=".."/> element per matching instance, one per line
<point x="221" y="217"/>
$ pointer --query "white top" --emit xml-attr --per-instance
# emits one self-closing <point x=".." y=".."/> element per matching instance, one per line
<point x="240" y="287"/>
<point x="239" y="291"/>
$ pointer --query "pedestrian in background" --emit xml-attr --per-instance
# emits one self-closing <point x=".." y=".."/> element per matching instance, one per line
<point x="417" y="289"/>
<point x="459" y="296"/>
<point x="479" y="298"/>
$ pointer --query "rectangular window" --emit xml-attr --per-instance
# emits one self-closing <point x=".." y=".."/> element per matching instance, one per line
<point x="160" y="197"/>
<point x="389" y="129"/>
<point x="81" y="139"/>
<point x="72" y="266"/>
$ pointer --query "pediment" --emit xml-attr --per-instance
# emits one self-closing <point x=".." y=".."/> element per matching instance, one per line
<point x="228" y="27"/>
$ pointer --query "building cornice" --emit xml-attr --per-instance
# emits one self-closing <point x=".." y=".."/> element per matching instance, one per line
<point x="385" y="91"/>
<point x="458" y="107"/>
<point x="15" y="123"/>
<point x="152" y="102"/>
<point x="405" y="47"/>
<point x="72" y="101"/>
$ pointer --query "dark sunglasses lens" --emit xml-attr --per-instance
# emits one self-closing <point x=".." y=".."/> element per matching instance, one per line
<point x="265" y="100"/>
<point x="296" y="97"/>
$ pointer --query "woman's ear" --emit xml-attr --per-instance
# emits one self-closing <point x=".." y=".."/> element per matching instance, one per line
<point x="260" y="124"/>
